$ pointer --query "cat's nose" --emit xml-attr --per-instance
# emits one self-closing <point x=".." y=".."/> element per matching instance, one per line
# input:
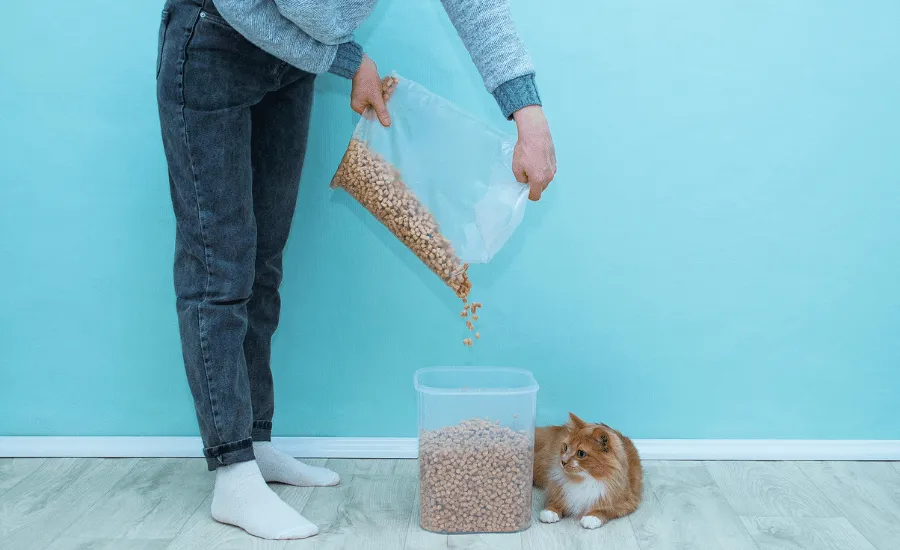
<point x="563" y="461"/>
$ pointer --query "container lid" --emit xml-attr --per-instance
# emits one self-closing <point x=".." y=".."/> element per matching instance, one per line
<point x="474" y="380"/>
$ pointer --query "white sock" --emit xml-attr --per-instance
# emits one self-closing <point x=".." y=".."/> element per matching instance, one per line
<point x="280" y="467"/>
<point x="242" y="498"/>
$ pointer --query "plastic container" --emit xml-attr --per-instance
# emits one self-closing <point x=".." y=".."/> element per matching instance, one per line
<point x="476" y="449"/>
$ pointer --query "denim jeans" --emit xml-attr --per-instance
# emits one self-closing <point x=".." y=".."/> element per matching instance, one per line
<point x="234" y="126"/>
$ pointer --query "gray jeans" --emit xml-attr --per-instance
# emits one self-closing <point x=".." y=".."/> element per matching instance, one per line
<point x="234" y="125"/>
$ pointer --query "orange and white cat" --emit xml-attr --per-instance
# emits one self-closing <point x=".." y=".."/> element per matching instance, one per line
<point x="589" y="471"/>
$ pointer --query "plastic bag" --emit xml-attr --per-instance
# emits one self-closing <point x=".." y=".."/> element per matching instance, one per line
<point x="440" y="180"/>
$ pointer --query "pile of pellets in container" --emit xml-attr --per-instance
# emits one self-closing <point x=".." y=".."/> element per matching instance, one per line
<point x="378" y="186"/>
<point x="475" y="477"/>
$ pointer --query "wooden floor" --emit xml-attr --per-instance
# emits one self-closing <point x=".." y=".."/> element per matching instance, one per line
<point x="155" y="504"/>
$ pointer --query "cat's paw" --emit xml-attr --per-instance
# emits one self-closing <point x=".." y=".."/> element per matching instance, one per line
<point x="548" y="516"/>
<point x="591" y="522"/>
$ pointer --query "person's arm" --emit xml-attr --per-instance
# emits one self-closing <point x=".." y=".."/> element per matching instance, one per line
<point x="261" y="22"/>
<point x="489" y="34"/>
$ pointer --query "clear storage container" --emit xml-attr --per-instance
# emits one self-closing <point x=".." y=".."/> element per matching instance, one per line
<point x="476" y="449"/>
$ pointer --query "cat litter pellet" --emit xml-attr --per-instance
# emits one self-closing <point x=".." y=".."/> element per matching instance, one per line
<point x="475" y="477"/>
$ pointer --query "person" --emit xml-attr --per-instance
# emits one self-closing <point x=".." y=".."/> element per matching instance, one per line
<point x="235" y="90"/>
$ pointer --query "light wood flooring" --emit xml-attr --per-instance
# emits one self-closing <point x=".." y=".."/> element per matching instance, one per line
<point x="156" y="504"/>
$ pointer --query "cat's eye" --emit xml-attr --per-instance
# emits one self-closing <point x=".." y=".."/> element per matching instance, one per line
<point x="582" y="454"/>
<point x="565" y="447"/>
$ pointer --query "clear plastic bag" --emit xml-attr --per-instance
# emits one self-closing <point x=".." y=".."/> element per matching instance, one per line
<point x="440" y="180"/>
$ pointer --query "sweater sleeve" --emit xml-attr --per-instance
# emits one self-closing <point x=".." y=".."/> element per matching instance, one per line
<point x="489" y="34"/>
<point x="260" y="22"/>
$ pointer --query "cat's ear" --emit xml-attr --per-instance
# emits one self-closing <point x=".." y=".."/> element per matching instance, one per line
<point x="599" y="435"/>
<point x="577" y="423"/>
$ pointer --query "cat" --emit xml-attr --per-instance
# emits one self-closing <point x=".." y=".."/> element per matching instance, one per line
<point x="589" y="471"/>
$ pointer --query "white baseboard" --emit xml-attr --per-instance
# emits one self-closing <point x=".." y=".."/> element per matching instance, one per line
<point x="118" y="447"/>
<point x="768" y="449"/>
<point x="401" y="447"/>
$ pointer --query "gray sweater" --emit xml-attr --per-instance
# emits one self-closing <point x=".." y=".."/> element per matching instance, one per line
<point x="317" y="36"/>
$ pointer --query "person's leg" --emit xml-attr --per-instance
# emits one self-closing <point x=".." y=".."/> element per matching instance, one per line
<point x="206" y="137"/>
<point x="208" y="79"/>
<point x="280" y="130"/>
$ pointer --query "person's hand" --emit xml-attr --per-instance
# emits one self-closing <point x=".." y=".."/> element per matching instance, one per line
<point x="534" y="158"/>
<point x="368" y="91"/>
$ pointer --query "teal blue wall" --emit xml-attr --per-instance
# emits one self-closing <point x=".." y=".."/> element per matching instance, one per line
<point x="718" y="258"/>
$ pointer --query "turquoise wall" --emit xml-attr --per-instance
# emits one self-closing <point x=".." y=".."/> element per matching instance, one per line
<point x="718" y="258"/>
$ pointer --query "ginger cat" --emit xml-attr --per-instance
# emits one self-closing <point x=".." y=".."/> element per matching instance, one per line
<point x="589" y="471"/>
